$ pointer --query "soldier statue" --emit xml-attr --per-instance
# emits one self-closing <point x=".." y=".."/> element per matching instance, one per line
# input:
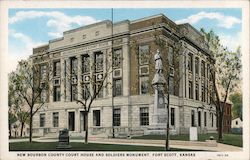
<point x="158" y="62"/>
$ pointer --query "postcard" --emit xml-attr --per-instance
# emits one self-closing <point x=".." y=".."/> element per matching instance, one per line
<point x="124" y="80"/>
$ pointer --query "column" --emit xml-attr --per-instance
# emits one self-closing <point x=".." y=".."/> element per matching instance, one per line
<point x="205" y="82"/>
<point x="62" y="79"/>
<point x="187" y="73"/>
<point x="77" y="120"/>
<point x="105" y="71"/>
<point x="109" y="77"/>
<point x="79" y="76"/>
<point x="67" y="79"/>
<point x="92" y="70"/>
<point x="193" y="76"/>
<point x="51" y="78"/>
<point x="199" y="80"/>
<point x="182" y="69"/>
<point x="126" y="70"/>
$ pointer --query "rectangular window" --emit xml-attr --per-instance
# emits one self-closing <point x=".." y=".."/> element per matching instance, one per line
<point x="100" y="94"/>
<point x="98" y="61"/>
<point x="55" y="119"/>
<point x="57" y="93"/>
<point x="96" y="118"/>
<point x="199" y="118"/>
<point x="143" y="54"/>
<point x="190" y="62"/>
<point x="144" y="116"/>
<point x="57" y="68"/>
<point x="117" y="58"/>
<point x="171" y="85"/>
<point x="197" y="65"/>
<point x="196" y="91"/>
<point x="203" y="93"/>
<point x="117" y="90"/>
<point x="73" y="65"/>
<point x="192" y="118"/>
<point x="71" y="121"/>
<point x="205" y="119"/>
<point x="208" y="70"/>
<point x="172" y="113"/>
<point x="190" y="89"/>
<point x="74" y="93"/>
<point x="171" y="56"/>
<point x="42" y="119"/>
<point x="144" y="85"/>
<point x="85" y="63"/>
<point x="86" y="91"/>
<point x="212" y="117"/>
<point x="202" y="68"/>
<point x="117" y="117"/>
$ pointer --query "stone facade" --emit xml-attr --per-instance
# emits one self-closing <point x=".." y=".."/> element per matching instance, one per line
<point x="136" y="40"/>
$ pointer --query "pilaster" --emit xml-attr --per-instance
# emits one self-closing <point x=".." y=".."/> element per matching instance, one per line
<point x="79" y="76"/>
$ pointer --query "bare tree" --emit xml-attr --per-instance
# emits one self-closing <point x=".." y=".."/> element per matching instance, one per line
<point x="97" y="75"/>
<point x="28" y="85"/>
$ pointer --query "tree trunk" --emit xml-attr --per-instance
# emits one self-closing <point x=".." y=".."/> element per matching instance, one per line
<point x="167" y="135"/>
<point x="9" y="130"/>
<point x="22" y="126"/>
<point x="31" y="120"/>
<point x="220" y="126"/>
<point x="86" y="128"/>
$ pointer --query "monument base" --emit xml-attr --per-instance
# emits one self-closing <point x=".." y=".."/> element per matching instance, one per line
<point x="63" y="145"/>
<point x="159" y="129"/>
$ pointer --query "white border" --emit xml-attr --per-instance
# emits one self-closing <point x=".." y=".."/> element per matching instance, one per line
<point x="5" y="5"/>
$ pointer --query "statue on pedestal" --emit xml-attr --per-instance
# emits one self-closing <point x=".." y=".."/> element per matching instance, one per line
<point x="158" y="62"/>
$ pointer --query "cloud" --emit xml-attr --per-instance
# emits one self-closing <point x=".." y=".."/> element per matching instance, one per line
<point x="23" y="51"/>
<point x="223" y="21"/>
<point x="232" y="42"/>
<point x="57" y="21"/>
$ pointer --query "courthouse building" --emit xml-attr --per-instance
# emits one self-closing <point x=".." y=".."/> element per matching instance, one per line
<point x="129" y="111"/>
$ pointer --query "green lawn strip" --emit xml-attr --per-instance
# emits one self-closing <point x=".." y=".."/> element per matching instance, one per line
<point x="231" y="139"/>
<point x="51" y="146"/>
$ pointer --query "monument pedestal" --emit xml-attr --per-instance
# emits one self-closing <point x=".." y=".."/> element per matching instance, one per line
<point x="159" y="117"/>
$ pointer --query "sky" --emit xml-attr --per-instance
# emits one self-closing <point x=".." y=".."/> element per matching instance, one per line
<point x="29" y="28"/>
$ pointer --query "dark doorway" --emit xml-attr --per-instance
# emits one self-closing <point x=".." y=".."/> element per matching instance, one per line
<point x="96" y="118"/>
<point x="82" y="124"/>
<point x="192" y="119"/>
<point x="71" y="121"/>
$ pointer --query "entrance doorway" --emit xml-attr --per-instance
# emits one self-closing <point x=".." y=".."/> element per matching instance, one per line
<point x="71" y="121"/>
<point x="82" y="124"/>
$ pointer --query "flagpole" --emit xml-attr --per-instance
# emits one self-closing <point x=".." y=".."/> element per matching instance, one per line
<point x="112" y="99"/>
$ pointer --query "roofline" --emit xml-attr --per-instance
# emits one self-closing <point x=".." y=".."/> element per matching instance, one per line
<point x="87" y="26"/>
<point x="43" y="45"/>
<point x="192" y="28"/>
<point x="147" y="18"/>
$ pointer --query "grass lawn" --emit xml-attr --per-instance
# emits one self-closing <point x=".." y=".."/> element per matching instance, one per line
<point x="232" y="139"/>
<point x="51" y="146"/>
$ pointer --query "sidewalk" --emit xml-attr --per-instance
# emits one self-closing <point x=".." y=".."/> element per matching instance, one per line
<point x="141" y="142"/>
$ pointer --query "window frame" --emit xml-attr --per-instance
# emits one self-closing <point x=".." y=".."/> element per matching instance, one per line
<point x="117" y="117"/>
<point x="144" y="116"/>
<point x="42" y="120"/>
<point x="97" y="120"/>
<point x="55" y="121"/>
<point x="144" y="83"/>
